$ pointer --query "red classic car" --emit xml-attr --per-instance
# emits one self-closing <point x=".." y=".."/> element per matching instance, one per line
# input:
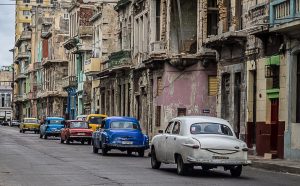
<point x="76" y="130"/>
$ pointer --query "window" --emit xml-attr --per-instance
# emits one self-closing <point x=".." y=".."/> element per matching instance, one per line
<point x="66" y="16"/>
<point x="212" y="85"/>
<point x="26" y="26"/>
<point x="210" y="128"/>
<point x="181" y="112"/>
<point x="26" y="12"/>
<point x="212" y="17"/>
<point x="169" y="128"/>
<point x="2" y="100"/>
<point x="83" y="125"/>
<point x="26" y="1"/>
<point x="157" y="15"/>
<point x="158" y="116"/>
<point x="176" y="128"/>
<point x="39" y="1"/>
<point x="159" y="86"/>
<point x="123" y="125"/>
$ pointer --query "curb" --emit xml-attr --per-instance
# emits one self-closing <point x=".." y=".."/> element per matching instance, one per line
<point x="275" y="167"/>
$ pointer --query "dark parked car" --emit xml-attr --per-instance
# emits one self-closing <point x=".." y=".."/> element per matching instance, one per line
<point x="122" y="133"/>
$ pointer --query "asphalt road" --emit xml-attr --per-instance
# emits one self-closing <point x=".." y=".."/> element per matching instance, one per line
<point x="25" y="159"/>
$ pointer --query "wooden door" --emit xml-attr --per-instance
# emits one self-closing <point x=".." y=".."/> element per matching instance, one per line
<point x="274" y="122"/>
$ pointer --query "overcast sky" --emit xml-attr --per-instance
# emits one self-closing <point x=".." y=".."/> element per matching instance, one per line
<point x="7" y="31"/>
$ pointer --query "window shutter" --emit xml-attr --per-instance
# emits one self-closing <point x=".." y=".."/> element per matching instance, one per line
<point x="212" y="85"/>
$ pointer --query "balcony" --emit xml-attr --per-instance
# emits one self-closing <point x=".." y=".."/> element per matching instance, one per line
<point x="71" y="43"/>
<point x="22" y="55"/>
<point x="157" y="48"/>
<point x="92" y="66"/>
<point x="20" y="98"/>
<point x="259" y="18"/>
<point x="26" y="35"/>
<point x="53" y="61"/>
<point x="85" y="31"/>
<point x="32" y="95"/>
<point x="37" y="66"/>
<point x="20" y="75"/>
<point x="69" y="81"/>
<point x="119" y="59"/>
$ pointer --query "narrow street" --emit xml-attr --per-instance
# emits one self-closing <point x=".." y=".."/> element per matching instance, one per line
<point x="25" y="159"/>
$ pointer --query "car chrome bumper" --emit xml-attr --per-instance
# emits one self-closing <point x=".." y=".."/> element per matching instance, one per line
<point x="126" y="146"/>
<point x="31" y="129"/>
<point x="220" y="162"/>
<point x="88" y="137"/>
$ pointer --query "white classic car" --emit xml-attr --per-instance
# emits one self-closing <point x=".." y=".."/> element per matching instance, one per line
<point x="203" y="141"/>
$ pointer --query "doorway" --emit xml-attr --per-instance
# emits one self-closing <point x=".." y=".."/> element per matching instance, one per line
<point x="274" y="123"/>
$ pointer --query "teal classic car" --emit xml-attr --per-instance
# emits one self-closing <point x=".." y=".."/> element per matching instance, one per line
<point x="51" y="127"/>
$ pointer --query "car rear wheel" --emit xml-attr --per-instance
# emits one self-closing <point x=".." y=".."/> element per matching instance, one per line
<point x="23" y="131"/>
<point x="20" y="131"/>
<point x="68" y="141"/>
<point x="45" y="136"/>
<point x="141" y="153"/>
<point x="82" y="142"/>
<point x="182" y="168"/>
<point x="129" y="152"/>
<point x="61" y="140"/>
<point x="104" y="150"/>
<point x="154" y="162"/>
<point x="95" y="150"/>
<point x="236" y="171"/>
<point x="41" y="136"/>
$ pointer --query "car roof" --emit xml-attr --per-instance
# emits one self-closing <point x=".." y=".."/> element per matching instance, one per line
<point x="197" y="119"/>
<point x="54" y="118"/>
<point x="76" y="121"/>
<point x="81" y="116"/>
<point x="101" y="115"/>
<point x="119" y="118"/>
<point x="30" y="118"/>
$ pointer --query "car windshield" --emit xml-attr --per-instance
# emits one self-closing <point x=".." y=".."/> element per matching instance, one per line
<point x="79" y="125"/>
<point x="95" y="120"/>
<point x="123" y="125"/>
<point x="55" y="121"/>
<point x="30" y="121"/>
<point x="210" y="128"/>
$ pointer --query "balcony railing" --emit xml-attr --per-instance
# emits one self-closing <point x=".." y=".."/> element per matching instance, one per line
<point x="157" y="47"/>
<point x="120" y="58"/>
<point x="297" y="4"/>
<point x="282" y="10"/>
<point x="92" y="66"/>
<point x="69" y="81"/>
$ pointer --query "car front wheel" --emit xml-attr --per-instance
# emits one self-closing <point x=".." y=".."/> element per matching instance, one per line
<point x="61" y="140"/>
<point x="104" y="150"/>
<point x="154" y="162"/>
<point x="236" y="171"/>
<point x="41" y="136"/>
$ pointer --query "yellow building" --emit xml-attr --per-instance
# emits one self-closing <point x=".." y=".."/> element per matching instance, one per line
<point x="23" y="62"/>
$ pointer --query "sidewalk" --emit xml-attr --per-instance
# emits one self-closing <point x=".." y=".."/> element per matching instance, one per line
<point x="277" y="165"/>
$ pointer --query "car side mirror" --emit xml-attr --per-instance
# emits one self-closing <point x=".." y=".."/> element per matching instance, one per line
<point x="160" y="131"/>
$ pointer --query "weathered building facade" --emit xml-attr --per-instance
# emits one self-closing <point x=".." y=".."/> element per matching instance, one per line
<point x="161" y="68"/>
<point x="79" y="47"/>
<point x="104" y="43"/>
<point x="6" y="93"/>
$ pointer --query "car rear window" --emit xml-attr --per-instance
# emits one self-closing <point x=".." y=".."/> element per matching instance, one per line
<point x="123" y="125"/>
<point x="55" y="121"/>
<point x="30" y="121"/>
<point x="81" y="125"/>
<point x="95" y="120"/>
<point x="210" y="128"/>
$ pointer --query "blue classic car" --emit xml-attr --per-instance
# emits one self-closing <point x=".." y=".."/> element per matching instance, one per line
<point x="51" y="127"/>
<point x="122" y="133"/>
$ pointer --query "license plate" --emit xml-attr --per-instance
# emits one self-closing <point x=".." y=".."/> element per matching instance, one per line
<point x="127" y="142"/>
<point x="220" y="157"/>
<point x="81" y="134"/>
